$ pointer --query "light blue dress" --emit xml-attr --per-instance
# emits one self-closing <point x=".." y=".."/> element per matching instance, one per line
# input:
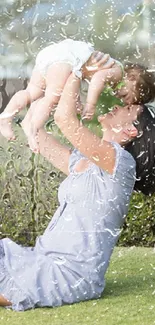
<point x="69" y="260"/>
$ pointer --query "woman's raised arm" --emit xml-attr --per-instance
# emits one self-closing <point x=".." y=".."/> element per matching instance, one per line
<point x="55" y="152"/>
<point x="100" y="152"/>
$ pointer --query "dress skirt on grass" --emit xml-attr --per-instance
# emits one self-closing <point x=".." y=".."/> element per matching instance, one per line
<point x="69" y="261"/>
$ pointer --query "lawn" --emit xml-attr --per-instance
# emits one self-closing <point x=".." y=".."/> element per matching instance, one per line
<point x="129" y="297"/>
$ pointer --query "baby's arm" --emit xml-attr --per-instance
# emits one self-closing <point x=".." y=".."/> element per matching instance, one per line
<point x="97" y="84"/>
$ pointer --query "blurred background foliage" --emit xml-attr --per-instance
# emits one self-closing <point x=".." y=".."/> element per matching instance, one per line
<point x="125" y="29"/>
<point x="28" y="183"/>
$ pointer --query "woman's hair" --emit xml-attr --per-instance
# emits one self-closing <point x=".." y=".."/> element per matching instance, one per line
<point x="143" y="150"/>
<point x="145" y="81"/>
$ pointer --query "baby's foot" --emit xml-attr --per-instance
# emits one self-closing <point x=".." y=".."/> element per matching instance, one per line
<point x="6" y="128"/>
<point x="33" y="143"/>
<point x="31" y="135"/>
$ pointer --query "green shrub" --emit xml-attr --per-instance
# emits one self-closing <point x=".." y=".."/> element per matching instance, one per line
<point x="139" y="227"/>
<point x="28" y="191"/>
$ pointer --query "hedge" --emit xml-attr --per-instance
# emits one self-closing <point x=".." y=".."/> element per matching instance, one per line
<point x="139" y="227"/>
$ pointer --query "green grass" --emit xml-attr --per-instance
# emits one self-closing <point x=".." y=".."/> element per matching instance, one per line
<point x="129" y="297"/>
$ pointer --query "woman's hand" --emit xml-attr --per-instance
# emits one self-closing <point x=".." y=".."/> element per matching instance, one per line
<point x="95" y="63"/>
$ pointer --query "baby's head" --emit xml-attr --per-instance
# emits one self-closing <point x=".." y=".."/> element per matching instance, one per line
<point x="139" y="85"/>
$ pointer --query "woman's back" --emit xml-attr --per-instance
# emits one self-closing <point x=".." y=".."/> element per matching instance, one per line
<point x="93" y="205"/>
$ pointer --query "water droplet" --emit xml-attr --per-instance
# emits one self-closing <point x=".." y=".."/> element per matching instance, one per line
<point x="93" y="2"/>
<point x="141" y="154"/>
<point x="139" y="206"/>
<point x="117" y="130"/>
<point x="20" y="9"/>
<point x="95" y="157"/>
<point x="106" y="35"/>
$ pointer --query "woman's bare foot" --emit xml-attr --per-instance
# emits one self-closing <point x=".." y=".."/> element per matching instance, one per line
<point x="6" y="127"/>
<point x="4" y="302"/>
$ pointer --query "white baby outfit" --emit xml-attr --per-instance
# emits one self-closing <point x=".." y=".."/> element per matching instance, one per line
<point x="73" y="52"/>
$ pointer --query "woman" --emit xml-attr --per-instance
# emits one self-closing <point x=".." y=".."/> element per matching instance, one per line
<point x="69" y="261"/>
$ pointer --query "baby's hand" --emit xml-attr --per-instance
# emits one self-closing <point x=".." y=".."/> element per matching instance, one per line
<point x="95" y="63"/>
<point x="99" y="59"/>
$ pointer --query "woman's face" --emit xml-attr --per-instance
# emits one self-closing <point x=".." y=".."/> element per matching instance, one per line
<point x="128" y="93"/>
<point x="120" y="117"/>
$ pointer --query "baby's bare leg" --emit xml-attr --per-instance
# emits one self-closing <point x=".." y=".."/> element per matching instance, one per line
<point x="56" y="78"/>
<point x="21" y="99"/>
<point x="28" y="117"/>
<point x="7" y="115"/>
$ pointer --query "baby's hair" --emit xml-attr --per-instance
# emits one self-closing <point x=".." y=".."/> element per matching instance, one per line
<point x="145" y="81"/>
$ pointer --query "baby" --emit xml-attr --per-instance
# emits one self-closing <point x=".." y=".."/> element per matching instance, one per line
<point x="51" y="71"/>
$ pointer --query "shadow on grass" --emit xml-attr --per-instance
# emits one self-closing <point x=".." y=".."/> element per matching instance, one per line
<point x="130" y="285"/>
